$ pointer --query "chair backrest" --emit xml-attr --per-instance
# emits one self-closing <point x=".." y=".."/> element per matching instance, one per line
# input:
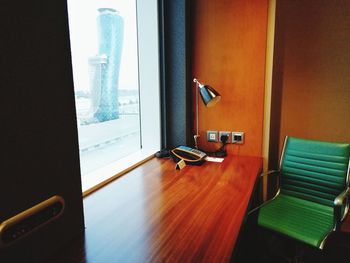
<point x="314" y="170"/>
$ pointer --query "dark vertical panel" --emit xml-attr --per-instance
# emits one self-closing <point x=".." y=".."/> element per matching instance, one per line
<point x="276" y="94"/>
<point x="175" y="78"/>
<point x="39" y="145"/>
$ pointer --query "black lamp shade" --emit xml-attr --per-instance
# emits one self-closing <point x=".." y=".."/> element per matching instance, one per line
<point x="209" y="96"/>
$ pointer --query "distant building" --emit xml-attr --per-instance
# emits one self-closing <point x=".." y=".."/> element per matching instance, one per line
<point x="104" y="67"/>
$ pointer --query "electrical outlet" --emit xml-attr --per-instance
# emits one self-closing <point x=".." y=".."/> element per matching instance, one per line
<point x="229" y="134"/>
<point x="212" y="136"/>
<point x="238" y="137"/>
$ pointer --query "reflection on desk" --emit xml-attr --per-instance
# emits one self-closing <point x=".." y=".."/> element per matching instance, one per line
<point x="158" y="214"/>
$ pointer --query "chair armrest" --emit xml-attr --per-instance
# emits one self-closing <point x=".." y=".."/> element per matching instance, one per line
<point x="274" y="182"/>
<point x="339" y="200"/>
<point x="338" y="203"/>
<point x="269" y="173"/>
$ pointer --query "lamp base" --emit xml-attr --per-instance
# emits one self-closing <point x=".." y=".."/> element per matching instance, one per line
<point x="195" y="137"/>
<point x="220" y="153"/>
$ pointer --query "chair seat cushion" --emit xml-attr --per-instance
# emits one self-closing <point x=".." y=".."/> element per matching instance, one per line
<point x="297" y="218"/>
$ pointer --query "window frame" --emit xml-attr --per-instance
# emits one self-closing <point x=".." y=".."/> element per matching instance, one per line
<point x="149" y="102"/>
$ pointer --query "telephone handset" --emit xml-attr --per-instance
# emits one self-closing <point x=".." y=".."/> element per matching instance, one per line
<point x="189" y="155"/>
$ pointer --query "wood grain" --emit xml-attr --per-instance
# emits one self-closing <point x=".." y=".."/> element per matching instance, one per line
<point x="311" y="77"/>
<point x="228" y="53"/>
<point x="158" y="214"/>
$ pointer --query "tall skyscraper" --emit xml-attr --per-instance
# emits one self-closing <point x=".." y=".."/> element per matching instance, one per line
<point x="107" y="65"/>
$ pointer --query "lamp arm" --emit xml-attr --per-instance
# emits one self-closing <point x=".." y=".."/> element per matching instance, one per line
<point x="210" y="98"/>
<point x="197" y="130"/>
<point x="196" y="81"/>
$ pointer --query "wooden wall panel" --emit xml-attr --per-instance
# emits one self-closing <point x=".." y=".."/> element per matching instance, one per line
<point x="228" y="53"/>
<point x="311" y="80"/>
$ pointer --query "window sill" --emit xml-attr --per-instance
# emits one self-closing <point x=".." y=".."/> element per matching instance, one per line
<point x="100" y="177"/>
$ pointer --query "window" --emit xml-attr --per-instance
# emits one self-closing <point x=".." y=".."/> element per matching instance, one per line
<point x="114" y="47"/>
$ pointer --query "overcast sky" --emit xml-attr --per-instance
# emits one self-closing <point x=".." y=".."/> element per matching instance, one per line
<point x="83" y="36"/>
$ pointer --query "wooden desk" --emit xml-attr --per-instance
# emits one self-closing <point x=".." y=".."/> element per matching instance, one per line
<point x="158" y="214"/>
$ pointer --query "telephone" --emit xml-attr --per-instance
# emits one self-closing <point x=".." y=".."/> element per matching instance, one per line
<point x="189" y="155"/>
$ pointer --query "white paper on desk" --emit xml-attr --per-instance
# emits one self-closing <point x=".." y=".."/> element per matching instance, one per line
<point x="214" y="159"/>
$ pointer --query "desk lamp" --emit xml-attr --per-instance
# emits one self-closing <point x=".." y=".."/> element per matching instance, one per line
<point x="209" y="96"/>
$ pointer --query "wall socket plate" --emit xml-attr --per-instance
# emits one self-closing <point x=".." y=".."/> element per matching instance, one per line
<point x="229" y="134"/>
<point x="238" y="137"/>
<point x="212" y="136"/>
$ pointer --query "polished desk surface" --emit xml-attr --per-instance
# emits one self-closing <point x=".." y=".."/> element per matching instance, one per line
<point x="158" y="214"/>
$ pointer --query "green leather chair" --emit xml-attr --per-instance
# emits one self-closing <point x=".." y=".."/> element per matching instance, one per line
<point x="313" y="187"/>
